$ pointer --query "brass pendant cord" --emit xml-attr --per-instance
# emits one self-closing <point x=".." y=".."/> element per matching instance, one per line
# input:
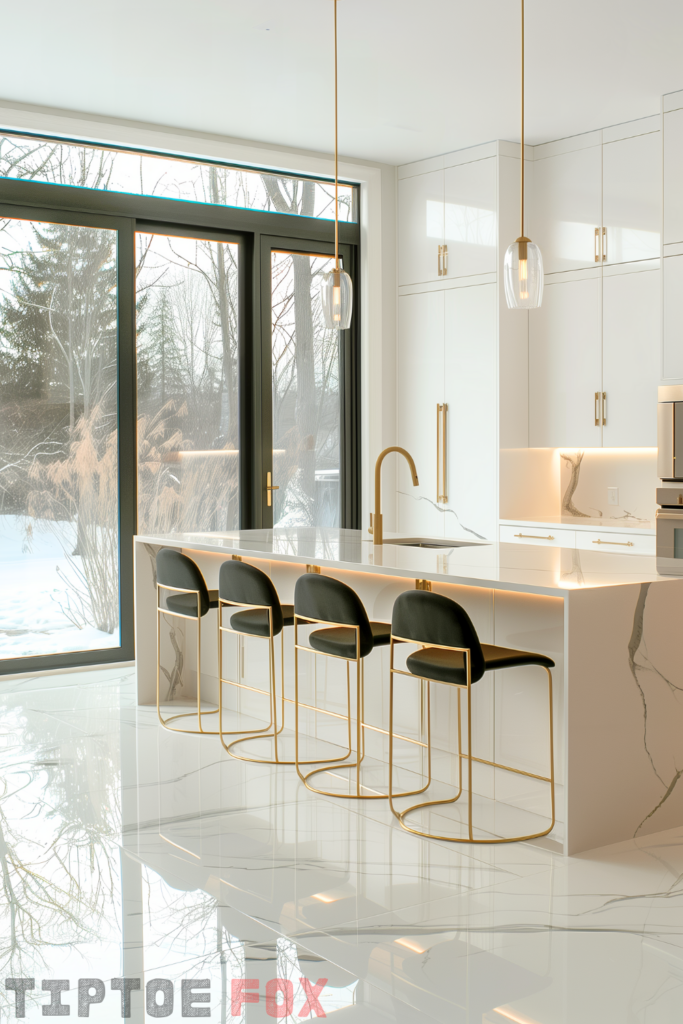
<point x="336" y="152"/>
<point x="522" y="200"/>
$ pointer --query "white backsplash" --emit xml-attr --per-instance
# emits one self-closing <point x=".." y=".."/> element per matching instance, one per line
<point x="535" y="483"/>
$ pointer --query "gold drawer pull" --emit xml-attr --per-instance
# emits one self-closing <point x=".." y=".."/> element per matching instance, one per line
<point x="534" y="536"/>
<point x="618" y="543"/>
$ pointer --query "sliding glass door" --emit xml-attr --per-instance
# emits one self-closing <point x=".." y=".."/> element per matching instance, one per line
<point x="305" y="388"/>
<point x="59" y="434"/>
<point x="188" y="383"/>
<point x="306" y="416"/>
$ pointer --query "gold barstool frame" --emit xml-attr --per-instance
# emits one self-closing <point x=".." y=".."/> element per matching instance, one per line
<point x="469" y="756"/>
<point x="250" y="734"/>
<point x="192" y="618"/>
<point x="360" y="722"/>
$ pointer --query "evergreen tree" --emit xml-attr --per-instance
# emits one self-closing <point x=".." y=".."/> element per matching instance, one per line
<point x="58" y="325"/>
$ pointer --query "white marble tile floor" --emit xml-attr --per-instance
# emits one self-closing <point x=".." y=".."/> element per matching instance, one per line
<point x="130" y="852"/>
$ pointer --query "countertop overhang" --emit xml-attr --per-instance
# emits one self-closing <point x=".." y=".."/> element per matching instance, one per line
<point x="513" y="567"/>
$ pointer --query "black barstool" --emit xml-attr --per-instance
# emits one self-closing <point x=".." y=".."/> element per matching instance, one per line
<point x="244" y="586"/>
<point x="188" y="598"/>
<point x="451" y="653"/>
<point x="349" y="636"/>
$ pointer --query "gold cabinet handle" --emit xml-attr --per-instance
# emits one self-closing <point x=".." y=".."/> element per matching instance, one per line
<point x="441" y="486"/>
<point x="597" y="408"/>
<point x="616" y="543"/>
<point x="270" y="487"/>
<point x="597" y="245"/>
<point x="439" y="270"/>
<point x="604" y="243"/>
<point x="604" y="408"/>
<point x="445" y="260"/>
<point x="535" y="536"/>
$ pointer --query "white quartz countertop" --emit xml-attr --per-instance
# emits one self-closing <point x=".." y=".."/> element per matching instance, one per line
<point x="643" y="526"/>
<point x="514" y="567"/>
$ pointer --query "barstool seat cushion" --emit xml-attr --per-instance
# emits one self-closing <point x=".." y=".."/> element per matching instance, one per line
<point x="254" y="621"/>
<point x="449" y="666"/>
<point x="186" y="604"/>
<point x="341" y="640"/>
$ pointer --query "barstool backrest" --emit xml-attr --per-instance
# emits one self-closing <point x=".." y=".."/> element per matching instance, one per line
<point x="321" y="597"/>
<point x="245" y="584"/>
<point x="427" y="618"/>
<point x="174" y="569"/>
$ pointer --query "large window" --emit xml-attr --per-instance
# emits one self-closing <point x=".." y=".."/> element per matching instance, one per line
<point x="59" y="565"/>
<point x="161" y="362"/>
<point x="151" y="174"/>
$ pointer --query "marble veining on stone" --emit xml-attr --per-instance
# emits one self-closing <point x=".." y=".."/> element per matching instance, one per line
<point x="184" y="863"/>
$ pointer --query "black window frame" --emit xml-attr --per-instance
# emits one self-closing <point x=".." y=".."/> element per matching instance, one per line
<point x="254" y="231"/>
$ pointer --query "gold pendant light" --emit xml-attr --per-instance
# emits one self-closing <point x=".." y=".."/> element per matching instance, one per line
<point x="523" y="267"/>
<point x="336" y="290"/>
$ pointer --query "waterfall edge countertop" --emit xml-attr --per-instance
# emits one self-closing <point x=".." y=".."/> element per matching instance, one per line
<point x="498" y="566"/>
<point x="607" y="620"/>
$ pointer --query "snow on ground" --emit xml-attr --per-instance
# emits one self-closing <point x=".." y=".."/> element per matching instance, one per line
<point x="31" y="621"/>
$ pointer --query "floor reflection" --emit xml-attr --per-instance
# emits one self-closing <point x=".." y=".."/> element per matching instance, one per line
<point x="145" y="874"/>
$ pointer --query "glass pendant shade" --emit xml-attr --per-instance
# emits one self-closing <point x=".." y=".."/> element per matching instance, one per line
<point x="523" y="275"/>
<point x="336" y="294"/>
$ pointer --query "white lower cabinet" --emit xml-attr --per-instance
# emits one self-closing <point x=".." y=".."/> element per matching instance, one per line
<point x="632" y="543"/>
<point x="538" y="536"/>
<point x="564" y="365"/>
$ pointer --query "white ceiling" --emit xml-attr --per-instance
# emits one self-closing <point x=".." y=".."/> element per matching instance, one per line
<point x="416" y="78"/>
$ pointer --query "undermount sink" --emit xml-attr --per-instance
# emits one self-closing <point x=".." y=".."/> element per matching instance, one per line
<point x="429" y="542"/>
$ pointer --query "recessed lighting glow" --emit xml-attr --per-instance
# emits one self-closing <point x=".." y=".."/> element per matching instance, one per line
<point x="325" y="897"/>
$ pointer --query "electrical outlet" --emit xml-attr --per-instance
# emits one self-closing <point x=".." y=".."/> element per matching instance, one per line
<point x="612" y="495"/>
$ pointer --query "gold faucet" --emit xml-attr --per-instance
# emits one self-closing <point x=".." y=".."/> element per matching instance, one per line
<point x="376" y="519"/>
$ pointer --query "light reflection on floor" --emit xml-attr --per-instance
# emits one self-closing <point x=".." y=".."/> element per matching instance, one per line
<point x="131" y="853"/>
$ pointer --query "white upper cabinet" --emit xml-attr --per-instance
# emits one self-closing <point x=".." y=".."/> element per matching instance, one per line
<point x="470" y="218"/>
<point x="420" y="390"/>
<point x="632" y="196"/>
<point x="673" y="176"/>
<point x="420" y="227"/>
<point x="565" y="207"/>
<point x="469" y="372"/>
<point x="631" y="305"/>
<point x="565" y="369"/>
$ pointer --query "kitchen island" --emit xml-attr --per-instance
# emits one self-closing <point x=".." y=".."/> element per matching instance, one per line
<point x="610" y="623"/>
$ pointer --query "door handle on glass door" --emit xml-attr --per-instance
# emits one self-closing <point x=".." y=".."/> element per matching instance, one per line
<point x="270" y="487"/>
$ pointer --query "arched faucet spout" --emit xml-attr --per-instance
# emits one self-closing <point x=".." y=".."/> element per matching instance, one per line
<point x="376" y="519"/>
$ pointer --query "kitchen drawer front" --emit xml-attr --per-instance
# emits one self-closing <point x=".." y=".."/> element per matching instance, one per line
<point x="548" y="537"/>
<point x="618" y="543"/>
